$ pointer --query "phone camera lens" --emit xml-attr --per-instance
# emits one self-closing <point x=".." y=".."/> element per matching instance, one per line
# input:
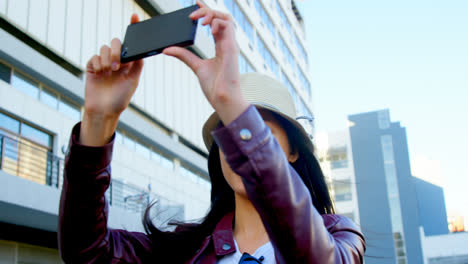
<point x="124" y="52"/>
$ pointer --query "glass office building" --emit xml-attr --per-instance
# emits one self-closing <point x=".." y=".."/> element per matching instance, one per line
<point x="386" y="194"/>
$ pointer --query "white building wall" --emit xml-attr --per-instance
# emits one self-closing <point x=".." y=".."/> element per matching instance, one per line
<point x="448" y="247"/>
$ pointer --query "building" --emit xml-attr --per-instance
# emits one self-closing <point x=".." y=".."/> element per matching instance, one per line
<point x="336" y="159"/>
<point x="431" y="204"/>
<point x="386" y="197"/>
<point x="159" y="152"/>
<point x="446" y="249"/>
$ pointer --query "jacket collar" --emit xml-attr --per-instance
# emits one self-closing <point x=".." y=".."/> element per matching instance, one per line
<point x="223" y="237"/>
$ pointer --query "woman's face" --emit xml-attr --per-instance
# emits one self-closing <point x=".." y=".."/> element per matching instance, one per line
<point x="235" y="180"/>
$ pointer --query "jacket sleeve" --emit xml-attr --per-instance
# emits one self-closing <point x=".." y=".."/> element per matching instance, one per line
<point x="298" y="232"/>
<point x="82" y="232"/>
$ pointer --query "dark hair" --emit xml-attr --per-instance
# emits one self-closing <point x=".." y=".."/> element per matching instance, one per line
<point x="182" y="243"/>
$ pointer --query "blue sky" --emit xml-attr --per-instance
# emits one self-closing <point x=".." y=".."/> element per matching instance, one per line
<point x="408" y="56"/>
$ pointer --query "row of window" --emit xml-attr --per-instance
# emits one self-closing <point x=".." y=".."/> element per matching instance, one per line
<point x="195" y="177"/>
<point x="246" y="26"/>
<point x="267" y="57"/>
<point x="286" y="51"/>
<point x="301" y="49"/>
<point x="146" y="151"/>
<point x="391" y="181"/>
<point x="244" y="65"/>
<point x="39" y="91"/>
<point x="15" y="129"/>
<point x="305" y="83"/>
<point x="265" y="18"/>
<point x="239" y="16"/>
<point x="283" y="17"/>
<point x="288" y="84"/>
<point x="154" y="154"/>
<point x="286" y="23"/>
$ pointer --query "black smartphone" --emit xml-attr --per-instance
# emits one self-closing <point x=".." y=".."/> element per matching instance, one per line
<point x="152" y="36"/>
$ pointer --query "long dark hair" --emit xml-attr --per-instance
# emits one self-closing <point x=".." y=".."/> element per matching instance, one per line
<point x="182" y="243"/>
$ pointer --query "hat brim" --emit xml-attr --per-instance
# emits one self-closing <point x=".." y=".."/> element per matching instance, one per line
<point x="213" y="121"/>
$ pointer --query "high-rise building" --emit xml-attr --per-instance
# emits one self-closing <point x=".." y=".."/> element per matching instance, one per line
<point x="159" y="152"/>
<point x="386" y="193"/>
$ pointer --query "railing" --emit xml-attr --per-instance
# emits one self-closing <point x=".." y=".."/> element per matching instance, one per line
<point x="27" y="160"/>
<point x="127" y="196"/>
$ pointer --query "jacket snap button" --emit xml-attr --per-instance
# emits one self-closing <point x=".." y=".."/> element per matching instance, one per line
<point x="226" y="247"/>
<point x="245" y="134"/>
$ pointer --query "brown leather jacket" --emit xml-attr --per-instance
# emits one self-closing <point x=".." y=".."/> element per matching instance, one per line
<point x="299" y="234"/>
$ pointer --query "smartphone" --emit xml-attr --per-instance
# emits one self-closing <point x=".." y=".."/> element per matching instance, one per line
<point x="152" y="36"/>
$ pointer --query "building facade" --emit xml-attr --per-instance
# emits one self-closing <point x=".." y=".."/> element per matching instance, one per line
<point x="446" y="249"/>
<point x="431" y="205"/>
<point x="386" y="194"/>
<point x="159" y="152"/>
<point x="336" y="159"/>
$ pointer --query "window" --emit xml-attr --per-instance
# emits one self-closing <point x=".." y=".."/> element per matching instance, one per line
<point x="342" y="191"/>
<point x="25" y="84"/>
<point x="384" y="119"/>
<point x="36" y="135"/>
<point x="142" y="150"/>
<point x="301" y="50"/>
<point x="5" y="73"/>
<point x="244" y="65"/>
<point x="164" y="161"/>
<point x="283" y="17"/>
<point x="305" y="83"/>
<point x="265" y="18"/>
<point x="69" y="109"/>
<point x="167" y="163"/>
<point x="49" y="98"/>
<point x="26" y="152"/>
<point x="145" y="150"/>
<point x="269" y="60"/>
<point x="194" y="177"/>
<point x="287" y="53"/>
<point x="37" y="90"/>
<point x="391" y="180"/>
<point x="240" y="17"/>
<point x="118" y="137"/>
<point x="129" y="143"/>
<point x="291" y="90"/>
<point x="9" y="123"/>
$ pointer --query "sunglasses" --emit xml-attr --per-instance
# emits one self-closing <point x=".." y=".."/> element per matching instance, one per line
<point x="248" y="259"/>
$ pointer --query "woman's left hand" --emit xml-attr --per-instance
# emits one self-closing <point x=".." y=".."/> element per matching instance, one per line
<point x="219" y="76"/>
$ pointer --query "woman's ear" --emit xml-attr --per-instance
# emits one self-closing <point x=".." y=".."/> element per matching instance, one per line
<point x="293" y="156"/>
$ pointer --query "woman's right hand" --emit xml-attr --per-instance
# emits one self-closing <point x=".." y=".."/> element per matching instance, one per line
<point x="109" y="89"/>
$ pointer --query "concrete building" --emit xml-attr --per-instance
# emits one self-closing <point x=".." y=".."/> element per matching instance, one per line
<point x="446" y="249"/>
<point x="386" y="197"/>
<point x="336" y="159"/>
<point x="159" y="153"/>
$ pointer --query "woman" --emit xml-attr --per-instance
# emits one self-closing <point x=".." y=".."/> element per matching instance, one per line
<point x="269" y="198"/>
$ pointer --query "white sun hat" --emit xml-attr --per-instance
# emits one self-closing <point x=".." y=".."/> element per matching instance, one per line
<point x="265" y="93"/>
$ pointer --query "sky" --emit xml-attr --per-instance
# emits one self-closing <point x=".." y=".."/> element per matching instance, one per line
<point x="408" y="56"/>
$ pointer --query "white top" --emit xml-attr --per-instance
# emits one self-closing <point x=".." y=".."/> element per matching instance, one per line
<point x="266" y="251"/>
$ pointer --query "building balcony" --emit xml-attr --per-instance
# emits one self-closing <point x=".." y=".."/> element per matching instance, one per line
<point x="31" y="180"/>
